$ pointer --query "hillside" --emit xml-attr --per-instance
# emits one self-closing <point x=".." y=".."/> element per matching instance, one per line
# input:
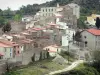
<point x="87" y="6"/>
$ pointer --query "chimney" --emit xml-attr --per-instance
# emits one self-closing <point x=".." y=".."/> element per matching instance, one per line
<point x="58" y="5"/>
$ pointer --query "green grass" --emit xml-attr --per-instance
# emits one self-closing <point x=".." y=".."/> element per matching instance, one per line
<point x="81" y="66"/>
<point x="40" y="67"/>
<point x="36" y="69"/>
<point x="66" y="56"/>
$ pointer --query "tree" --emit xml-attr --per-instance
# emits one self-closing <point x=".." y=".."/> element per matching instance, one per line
<point x="2" y="21"/>
<point x="96" y="55"/>
<point x="6" y="28"/>
<point x="17" y="17"/>
<point x="96" y="59"/>
<point x="78" y="36"/>
<point x="81" y="22"/>
<point x="97" y="23"/>
<point x="33" y="58"/>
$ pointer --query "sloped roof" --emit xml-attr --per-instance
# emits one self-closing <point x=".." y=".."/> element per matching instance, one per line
<point x="95" y="32"/>
<point x="4" y="45"/>
<point x="9" y="43"/>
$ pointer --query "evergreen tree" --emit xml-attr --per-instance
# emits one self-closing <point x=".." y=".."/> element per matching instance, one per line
<point x="97" y="23"/>
<point x="78" y="37"/>
<point x="6" y="28"/>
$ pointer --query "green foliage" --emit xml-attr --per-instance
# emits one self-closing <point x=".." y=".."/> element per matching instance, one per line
<point x="82" y="70"/>
<point x="6" y="28"/>
<point x="96" y="55"/>
<point x="17" y="17"/>
<point x="29" y="9"/>
<point x="2" y="21"/>
<point x="97" y="22"/>
<point x="78" y="36"/>
<point x="81" y="22"/>
<point x="89" y="6"/>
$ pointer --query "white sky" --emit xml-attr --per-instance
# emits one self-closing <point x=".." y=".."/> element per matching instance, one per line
<point x="16" y="4"/>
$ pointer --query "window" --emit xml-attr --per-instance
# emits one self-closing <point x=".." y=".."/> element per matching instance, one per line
<point x="21" y="46"/>
<point x="46" y="10"/>
<point x="18" y="52"/>
<point x="43" y="10"/>
<point x="5" y="49"/>
<point x="49" y="10"/>
<point x="86" y="43"/>
<point x="84" y="36"/>
<point x="14" y="46"/>
<point x="46" y="14"/>
<point x="10" y="54"/>
<point x="52" y="10"/>
<point x="96" y="43"/>
<point x="10" y="50"/>
<point x="8" y="39"/>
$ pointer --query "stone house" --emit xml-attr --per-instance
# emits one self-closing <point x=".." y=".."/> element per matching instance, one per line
<point x="9" y="49"/>
<point x="76" y="9"/>
<point x="91" y="39"/>
<point x="66" y="15"/>
<point x="27" y="44"/>
<point x="53" y="50"/>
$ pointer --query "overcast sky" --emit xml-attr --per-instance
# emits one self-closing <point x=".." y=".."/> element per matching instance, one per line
<point x="16" y="4"/>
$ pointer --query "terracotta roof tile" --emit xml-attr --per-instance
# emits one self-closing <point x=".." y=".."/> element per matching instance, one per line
<point x="94" y="31"/>
<point x="9" y="43"/>
<point x="25" y="33"/>
<point x="31" y="30"/>
<point x="38" y="29"/>
<point x="26" y="41"/>
<point x="52" y="51"/>
<point x="4" y="45"/>
<point x="53" y="24"/>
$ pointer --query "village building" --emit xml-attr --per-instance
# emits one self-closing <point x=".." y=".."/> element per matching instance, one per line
<point x="53" y="50"/>
<point x="9" y="49"/>
<point x="76" y="9"/>
<point x="47" y="11"/>
<point x="27" y="18"/>
<point x="91" y="39"/>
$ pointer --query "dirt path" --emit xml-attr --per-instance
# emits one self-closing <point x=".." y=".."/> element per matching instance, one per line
<point x="72" y="66"/>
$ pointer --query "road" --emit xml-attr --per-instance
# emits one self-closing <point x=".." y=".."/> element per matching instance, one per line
<point x="72" y="66"/>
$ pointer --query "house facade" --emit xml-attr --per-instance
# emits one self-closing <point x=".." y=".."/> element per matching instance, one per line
<point x="91" y="39"/>
<point x="76" y="9"/>
<point x="47" y="11"/>
<point x="6" y="51"/>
